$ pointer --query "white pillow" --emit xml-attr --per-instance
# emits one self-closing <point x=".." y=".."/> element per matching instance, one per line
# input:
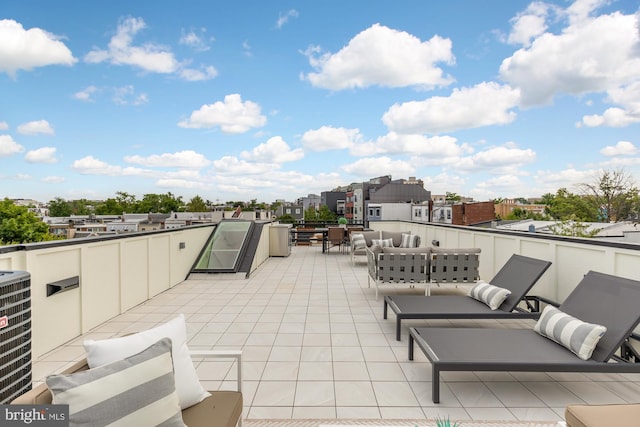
<point x="574" y="334"/>
<point x="409" y="240"/>
<point x="358" y="241"/>
<point x="491" y="295"/>
<point x="383" y="243"/>
<point x="188" y="385"/>
<point x="137" y="390"/>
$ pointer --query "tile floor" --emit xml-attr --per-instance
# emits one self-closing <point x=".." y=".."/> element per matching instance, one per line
<point x="315" y="346"/>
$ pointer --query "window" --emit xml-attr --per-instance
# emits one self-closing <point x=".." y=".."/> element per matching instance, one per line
<point x="288" y="211"/>
<point x="370" y="212"/>
<point x="377" y="211"/>
<point x="297" y="211"/>
<point x="448" y="214"/>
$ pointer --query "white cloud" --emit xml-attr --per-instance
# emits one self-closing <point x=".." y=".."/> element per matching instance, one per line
<point x="550" y="181"/>
<point x="503" y="184"/>
<point x="4" y="125"/>
<point x="529" y="24"/>
<point x="198" y="41"/>
<point x="126" y="95"/>
<point x="443" y="182"/>
<point x="230" y="165"/>
<point x="86" y="94"/>
<point x="42" y="155"/>
<point x="505" y="159"/>
<point x="232" y="116"/>
<point x="437" y="147"/>
<point x="284" y="18"/>
<point x="400" y="59"/>
<point x="53" y="179"/>
<point x="622" y="148"/>
<point x="182" y="159"/>
<point x="378" y="166"/>
<point x="628" y="98"/>
<point x="150" y="57"/>
<point x="22" y="49"/>
<point x="330" y="138"/>
<point x="197" y="75"/>
<point x="591" y="55"/>
<point x="275" y="150"/>
<point x="89" y="165"/>
<point x="9" y="147"/>
<point x="181" y="183"/>
<point x="484" y="104"/>
<point x="36" y="127"/>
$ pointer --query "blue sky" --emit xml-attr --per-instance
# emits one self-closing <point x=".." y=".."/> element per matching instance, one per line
<point x="277" y="99"/>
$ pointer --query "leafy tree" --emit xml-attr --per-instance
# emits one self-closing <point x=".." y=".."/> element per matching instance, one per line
<point x="127" y="202"/>
<point x="110" y="206"/>
<point x="59" y="207"/>
<point x="19" y="225"/>
<point x="612" y="194"/>
<point x="566" y="206"/>
<point x="287" y="219"/>
<point x="452" y="197"/>
<point x="520" y="213"/>
<point x="572" y="228"/>
<point x="196" y="204"/>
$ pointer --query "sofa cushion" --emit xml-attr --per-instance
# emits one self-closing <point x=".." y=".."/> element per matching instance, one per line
<point x="137" y="390"/>
<point x="489" y="294"/>
<point x="396" y="236"/>
<point x="439" y="250"/>
<point x="423" y="250"/>
<point x="369" y="236"/>
<point x="574" y="334"/>
<point x="188" y="386"/>
<point x="410" y="240"/>
<point x="221" y="409"/>
<point x="602" y="415"/>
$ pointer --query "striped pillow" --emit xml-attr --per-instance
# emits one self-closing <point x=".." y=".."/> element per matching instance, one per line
<point x="138" y="390"/>
<point x="578" y="336"/>
<point x="358" y="241"/>
<point x="409" y="240"/>
<point x="491" y="295"/>
<point x="383" y="243"/>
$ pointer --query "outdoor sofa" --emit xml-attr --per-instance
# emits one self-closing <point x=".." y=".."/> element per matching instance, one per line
<point x="622" y="414"/>
<point x="359" y="241"/>
<point x="518" y="275"/>
<point x="600" y="300"/>
<point x="421" y="265"/>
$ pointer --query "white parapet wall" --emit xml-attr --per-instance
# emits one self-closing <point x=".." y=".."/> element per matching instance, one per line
<point x="115" y="274"/>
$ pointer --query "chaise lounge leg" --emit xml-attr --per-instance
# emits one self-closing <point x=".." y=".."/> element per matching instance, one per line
<point x="435" y="384"/>
<point x="398" y="328"/>
<point x="410" y="347"/>
<point x="384" y="312"/>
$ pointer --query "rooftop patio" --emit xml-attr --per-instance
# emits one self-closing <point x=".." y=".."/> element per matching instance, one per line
<point x="315" y="345"/>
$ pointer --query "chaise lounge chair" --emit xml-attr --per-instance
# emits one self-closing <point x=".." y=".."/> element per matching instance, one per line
<point x="599" y="299"/>
<point x="518" y="275"/>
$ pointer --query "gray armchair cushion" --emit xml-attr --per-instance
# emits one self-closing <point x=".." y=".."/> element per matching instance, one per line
<point x="396" y="236"/>
<point x="438" y="250"/>
<point x="423" y="250"/>
<point x="370" y="235"/>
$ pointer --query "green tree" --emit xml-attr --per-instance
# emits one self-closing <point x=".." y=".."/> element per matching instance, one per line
<point x="520" y="213"/>
<point x="452" y="197"/>
<point x="196" y="204"/>
<point x="569" y="206"/>
<point x="572" y="228"/>
<point x="612" y="194"/>
<point x="287" y="219"/>
<point x="127" y="202"/>
<point x="59" y="207"/>
<point x="19" y="225"/>
<point x="110" y="206"/>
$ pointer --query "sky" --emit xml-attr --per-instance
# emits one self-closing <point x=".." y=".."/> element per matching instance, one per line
<point x="279" y="99"/>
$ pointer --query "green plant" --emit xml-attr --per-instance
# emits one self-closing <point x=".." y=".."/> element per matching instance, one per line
<point x="342" y="220"/>
<point x="442" y="422"/>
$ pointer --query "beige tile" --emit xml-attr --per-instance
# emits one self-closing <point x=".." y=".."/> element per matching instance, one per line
<point x="314" y="393"/>
<point x="355" y="393"/>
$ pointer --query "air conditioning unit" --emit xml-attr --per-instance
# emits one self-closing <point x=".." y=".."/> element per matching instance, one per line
<point x="15" y="334"/>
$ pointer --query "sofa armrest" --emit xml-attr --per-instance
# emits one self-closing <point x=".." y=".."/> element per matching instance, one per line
<point x="223" y="354"/>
